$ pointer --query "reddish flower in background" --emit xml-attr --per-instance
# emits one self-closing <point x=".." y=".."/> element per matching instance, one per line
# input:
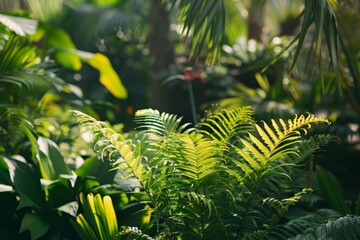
<point x="190" y="75"/>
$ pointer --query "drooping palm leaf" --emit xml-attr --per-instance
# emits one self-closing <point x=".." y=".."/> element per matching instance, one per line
<point x="204" y="22"/>
<point x="322" y="14"/>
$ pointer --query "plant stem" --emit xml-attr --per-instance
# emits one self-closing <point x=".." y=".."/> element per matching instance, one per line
<point x="192" y="102"/>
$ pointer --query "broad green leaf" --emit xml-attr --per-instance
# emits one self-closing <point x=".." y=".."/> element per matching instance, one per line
<point x="27" y="184"/>
<point x="95" y="168"/>
<point x="108" y="76"/>
<point x="64" y="47"/>
<point x="332" y="191"/>
<point x="59" y="192"/>
<point x="4" y="172"/>
<point x="51" y="161"/>
<point x="70" y="208"/>
<point x="35" y="225"/>
<point x="20" y="25"/>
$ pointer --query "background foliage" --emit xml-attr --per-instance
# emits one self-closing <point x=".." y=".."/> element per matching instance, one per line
<point x="145" y="68"/>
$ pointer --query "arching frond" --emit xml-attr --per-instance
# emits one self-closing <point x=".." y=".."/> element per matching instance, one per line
<point x="161" y="124"/>
<point x="122" y="153"/>
<point x="303" y="224"/>
<point x="273" y="142"/>
<point x="227" y="124"/>
<point x="18" y="67"/>
<point x="133" y="233"/>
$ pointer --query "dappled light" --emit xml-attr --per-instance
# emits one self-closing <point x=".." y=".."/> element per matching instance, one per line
<point x="179" y="119"/>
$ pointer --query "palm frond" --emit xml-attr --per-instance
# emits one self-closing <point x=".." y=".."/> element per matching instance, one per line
<point x="204" y="23"/>
<point x="18" y="67"/>
<point x="323" y="14"/>
<point x="46" y="10"/>
<point x="14" y="125"/>
<point x="19" y="25"/>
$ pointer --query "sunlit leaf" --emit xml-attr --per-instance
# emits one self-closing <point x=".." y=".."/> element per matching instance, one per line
<point x="21" y="26"/>
<point x="108" y="76"/>
<point x="62" y="44"/>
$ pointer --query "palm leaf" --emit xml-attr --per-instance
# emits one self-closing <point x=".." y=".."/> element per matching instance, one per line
<point x="19" y="25"/>
<point x="322" y="13"/>
<point x="204" y="22"/>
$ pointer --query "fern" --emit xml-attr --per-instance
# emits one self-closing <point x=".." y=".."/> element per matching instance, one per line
<point x="272" y="143"/>
<point x="225" y="125"/>
<point x="133" y="233"/>
<point x="212" y="182"/>
<point x="152" y="121"/>
<point x="346" y="228"/>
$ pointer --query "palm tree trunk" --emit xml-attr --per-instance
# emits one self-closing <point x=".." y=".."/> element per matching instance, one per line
<point x="161" y="54"/>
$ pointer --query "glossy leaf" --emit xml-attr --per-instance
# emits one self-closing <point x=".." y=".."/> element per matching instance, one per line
<point x="27" y="184"/>
<point x="51" y="162"/>
<point x="37" y="226"/>
<point x="62" y="44"/>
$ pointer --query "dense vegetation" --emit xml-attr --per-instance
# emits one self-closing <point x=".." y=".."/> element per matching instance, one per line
<point x="179" y="119"/>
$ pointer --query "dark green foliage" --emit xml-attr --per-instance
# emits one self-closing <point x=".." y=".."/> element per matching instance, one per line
<point x="344" y="228"/>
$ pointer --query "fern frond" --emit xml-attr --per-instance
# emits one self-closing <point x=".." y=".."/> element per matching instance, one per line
<point x="199" y="217"/>
<point x="225" y="125"/>
<point x="123" y="153"/>
<point x="161" y="124"/>
<point x="304" y="224"/>
<point x="347" y="227"/>
<point x="133" y="233"/>
<point x="274" y="143"/>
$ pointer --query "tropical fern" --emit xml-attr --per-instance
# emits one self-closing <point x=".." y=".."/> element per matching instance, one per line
<point x="347" y="228"/>
<point x="272" y="143"/>
<point x="225" y="125"/>
<point x="133" y="233"/>
<point x="303" y="224"/>
<point x="152" y="121"/>
<point x="213" y="181"/>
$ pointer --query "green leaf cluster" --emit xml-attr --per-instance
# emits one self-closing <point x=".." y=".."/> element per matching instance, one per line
<point x="227" y="178"/>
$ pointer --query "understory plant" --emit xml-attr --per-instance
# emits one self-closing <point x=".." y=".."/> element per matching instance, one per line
<point x="228" y="177"/>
